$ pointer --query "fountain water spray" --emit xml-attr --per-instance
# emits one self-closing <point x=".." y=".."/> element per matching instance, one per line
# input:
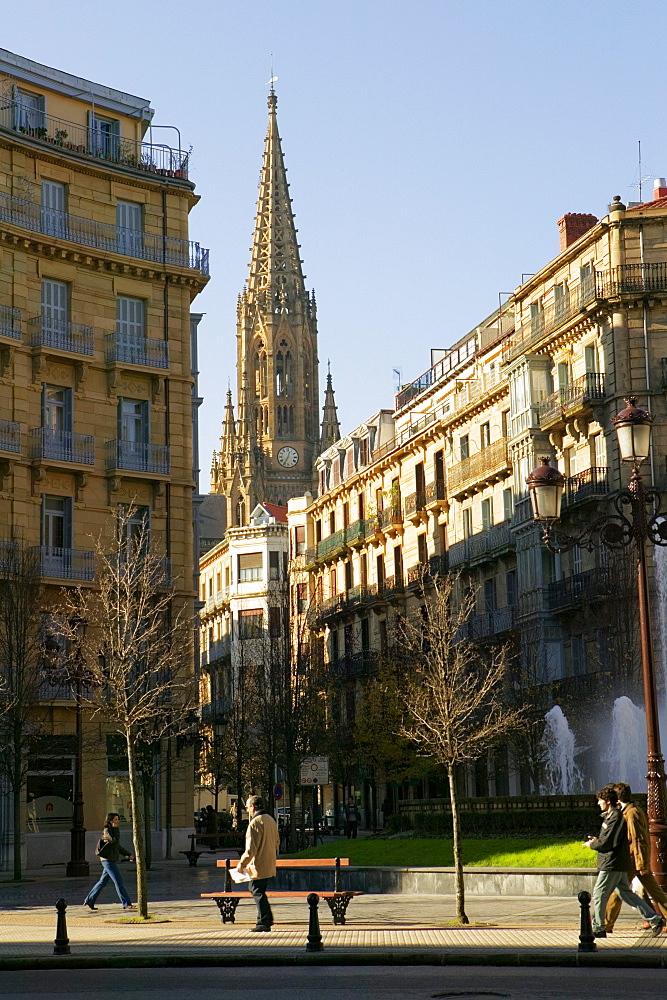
<point x="563" y="775"/>
<point x="627" y="752"/>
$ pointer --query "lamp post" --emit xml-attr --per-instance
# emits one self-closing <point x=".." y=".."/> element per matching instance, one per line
<point x="636" y="519"/>
<point x="77" y="864"/>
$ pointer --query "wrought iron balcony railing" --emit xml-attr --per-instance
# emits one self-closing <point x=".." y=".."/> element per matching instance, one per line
<point x="331" y="544"/>
<point x="62" y="446"/>
<point x="66" y="564"/>
<point x="355" y="532"/>
<point x="633" y="279"/>
<point x="103" y="236"/>
<point x="136" y="457"/>
<point x="590" y="482"/>
<point x="415" y="503"/>
<point x="551" y="317"/>
<point x="72" y="337"/>
<point x="435" y="492"/>
<point x="489" y="543"/>
<point x="10" y="436"/>
<point x="582" y="392"/>
<point x="10" y="322"/>
<point x="582" y="586"/>
<point x="219" y="649"/>
<point x="391" y="517"/>
<point x="489" y="623"/>
<point x="70" y="138"/>
<point x="486" y="465"/>
<point x="144" y="351"/>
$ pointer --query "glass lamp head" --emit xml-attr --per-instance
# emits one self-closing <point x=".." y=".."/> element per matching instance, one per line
<point x="633" y="430"/>
<point x="545" y="485"/>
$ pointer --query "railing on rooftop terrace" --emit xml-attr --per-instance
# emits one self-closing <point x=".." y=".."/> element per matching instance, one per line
<point x="103" y="236"/>
<point x="447" y="364"/>
<point x="67" y="137"/>
<point x="552" y="316"/>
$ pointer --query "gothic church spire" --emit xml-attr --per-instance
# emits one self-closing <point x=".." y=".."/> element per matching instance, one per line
<point x="330" y="426"/>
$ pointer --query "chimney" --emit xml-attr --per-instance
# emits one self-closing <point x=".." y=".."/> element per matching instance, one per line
<point x="572" y="226"/>
<point x="659" y="188"/>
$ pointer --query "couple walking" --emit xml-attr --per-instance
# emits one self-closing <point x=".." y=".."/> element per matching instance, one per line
<point x="623" y="848"/>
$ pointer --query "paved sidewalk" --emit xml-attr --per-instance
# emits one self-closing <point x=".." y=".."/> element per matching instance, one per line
<point x="380" y="929"/>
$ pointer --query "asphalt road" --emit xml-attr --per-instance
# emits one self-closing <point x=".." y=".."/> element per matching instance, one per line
<point x="337" y="983"/>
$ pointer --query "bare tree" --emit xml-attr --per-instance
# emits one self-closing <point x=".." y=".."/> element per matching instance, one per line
<point x="21" y="648"/>
<point x="453" y="696"/>
<point x="138" y="653"/>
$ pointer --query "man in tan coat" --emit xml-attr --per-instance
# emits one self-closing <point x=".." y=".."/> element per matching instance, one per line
<point x="640" y="849"/>
<point x="262" y="841"/>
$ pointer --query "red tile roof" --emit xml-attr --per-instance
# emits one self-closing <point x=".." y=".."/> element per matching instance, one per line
<point x="280" y="513"/>
<point x="658" y="203"/>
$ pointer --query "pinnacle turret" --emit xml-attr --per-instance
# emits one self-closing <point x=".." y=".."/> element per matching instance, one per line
<point x="330" y="426"/>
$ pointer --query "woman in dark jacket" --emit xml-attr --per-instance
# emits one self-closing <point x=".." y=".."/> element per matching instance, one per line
<point x="109" y="851"/>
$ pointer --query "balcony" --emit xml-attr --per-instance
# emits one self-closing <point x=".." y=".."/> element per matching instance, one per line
<point x="373" y="528"/>
<point x="71" y="337"/>
<point x="488" y="624"/>
<point x="436" y="496"/>
<point x="361" y="664"/>
<point x="472" y="474"/>
<point x="552" y="316"/>
<point x="418" y="575"/>
<point x="102" y="236"/>
<point x="483" y="546"/>
<point x="333" y="545"/>
<point x="66" y="564"/>
<point x="133" y="456"/>
<point x="574" y="590"/>
<point x="216" y="711"/>
<point x="590" y="483"/>
<point x="56" y="691"/>
<point x="10" y="437"/>
<point x="219" y="649"/>
<point x="62" y="446"/>
<point x="415" y="507"/>
<point x="634" y="279"/>
<point x="216" y="601"/>
<point x="355" y="534"/>
<point x="583" y="393"/>
<point x="391" y="520"/>
<point x="10" y="323"/>
<point x="141" y="351"/>
<point x="392" y="588"/>
<point x="438" y="565"/>
<point x="65" y="138"/>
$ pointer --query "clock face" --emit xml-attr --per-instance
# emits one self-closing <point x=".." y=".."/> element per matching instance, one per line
<point x="288" y="457"/>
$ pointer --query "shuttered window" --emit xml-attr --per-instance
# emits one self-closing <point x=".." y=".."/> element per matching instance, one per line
<point x="54" y="306"/>
<point x="130" y="318"/>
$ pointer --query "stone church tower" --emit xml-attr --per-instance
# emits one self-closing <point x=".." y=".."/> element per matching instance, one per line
<point x="267" y="452"/>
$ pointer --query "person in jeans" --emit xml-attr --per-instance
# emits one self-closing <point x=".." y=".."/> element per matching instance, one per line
<point x="614" y="863"/>
<point x="262" y="841"/>
<point x="636" y="823"/>
<point x="351" y="819"/>
<point x="109" y="851"/>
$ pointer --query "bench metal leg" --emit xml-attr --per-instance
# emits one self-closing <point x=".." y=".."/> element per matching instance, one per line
<point x="193" y="857"/>
<point x="338" y="906"/>
<point x="227" y="906"/>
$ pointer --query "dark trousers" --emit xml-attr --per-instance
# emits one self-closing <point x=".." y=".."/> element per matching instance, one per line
<point x="258" y="890"/>
<point x="351" y="828"/>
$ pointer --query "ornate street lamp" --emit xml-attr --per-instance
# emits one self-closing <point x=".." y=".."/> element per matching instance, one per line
<point x="637" y="519"/>
<point x="77" y="864"/>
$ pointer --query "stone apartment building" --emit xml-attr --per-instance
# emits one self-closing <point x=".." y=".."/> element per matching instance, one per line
<point x="438" y="485"/>
<point x="97" y="375"/>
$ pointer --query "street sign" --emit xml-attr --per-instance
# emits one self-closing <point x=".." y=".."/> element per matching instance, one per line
<point x="278" y="792"/>
<point x="315" y="771"/>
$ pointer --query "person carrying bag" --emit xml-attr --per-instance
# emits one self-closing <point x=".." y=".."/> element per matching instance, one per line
<point x="109" y="850"/>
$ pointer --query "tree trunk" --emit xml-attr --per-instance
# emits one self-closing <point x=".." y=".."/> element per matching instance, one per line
<point x="239" y="790"/>
<point x="17" y="788"/>
<point x="168" y="805"/>
<point x="147" y="822"/>
<point x="137" y="833"/>
<point x="291" y="785"/>
<point x="458" y="854"/>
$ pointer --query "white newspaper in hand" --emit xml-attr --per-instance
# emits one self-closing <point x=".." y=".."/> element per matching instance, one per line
<point x="238" y="876"/>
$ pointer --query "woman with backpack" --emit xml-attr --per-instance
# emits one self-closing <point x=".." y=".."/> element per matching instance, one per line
<point x="109" y="850"/>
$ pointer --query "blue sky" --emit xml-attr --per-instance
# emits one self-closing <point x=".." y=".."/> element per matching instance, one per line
<point x="431" y="147"/>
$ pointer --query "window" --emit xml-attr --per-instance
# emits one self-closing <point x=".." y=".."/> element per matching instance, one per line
<point x="131" y="327"/>
<point x="56" y="524"/>
<point x="348" y="576"/>
<point x="485" y="435"/>
<point x="274" y="622"/>
<point x="332" y="523"/>
<point x="301" y="598"/>
<point x="464" y="445"/>
<point x="365" y="635"/>
<point x="361" y="507"/>
<point x="379" y="569"/>
<point x="53" y="207"/>
<point x="56" y="411"/>
<point x="398" y="565"/>
<point x="439" y="468"/>
<point x="274" y="565"/>
<point x="537" y="316"/>
<point x="487" y="514"/>
<point x="129" y="226"/>
<point x="346" y="515"/>
<point x="55" y="311"/>
<point x="422" y="548"/>
<point x="251" y="623"/>
<point x="382" y="630"/>
<point x="467" y="522"/>
<point x="28" y="111"/>
<point x="333" y="583"/>
<point x="591" y="359"/>
<point x="510" y="588"/>
<point x="490" y="595"/>
<point x="50" y="783"/>
<point x="508" y="503"/>
<point x="577" y="562"/>
<point x="104" y="136"/>
<point x="250" y="567"/>
<point x="137" y="528"/>
<point x="363" y="569"/>
<point x="563" y="374"/>
<point x="598" y="451"/>
<point x="335" y="646"/>
<point x="299" y="540"/>
<point x="420" y="482"/>
<point x="318" y="532"/>
<point x="363" y="452"/>
<point x="561" y="300"/>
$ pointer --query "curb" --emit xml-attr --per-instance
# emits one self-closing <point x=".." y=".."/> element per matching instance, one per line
<point x="565" y="958"/>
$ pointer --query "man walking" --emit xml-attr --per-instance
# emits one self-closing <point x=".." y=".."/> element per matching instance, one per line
<point x="262" y="841"/>
<point x="613" y="865"/>
<point x="636" y="822"/>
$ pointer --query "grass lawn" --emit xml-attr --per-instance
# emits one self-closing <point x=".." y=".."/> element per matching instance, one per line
<point x="433" y="852"/>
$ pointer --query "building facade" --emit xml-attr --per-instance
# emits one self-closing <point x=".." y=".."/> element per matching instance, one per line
<point x="97" y="278"/>
<point x="438" y="485"/>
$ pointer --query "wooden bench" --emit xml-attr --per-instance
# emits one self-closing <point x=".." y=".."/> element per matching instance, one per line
<point x="193" y="854"/>
<point x="337" y="901"/>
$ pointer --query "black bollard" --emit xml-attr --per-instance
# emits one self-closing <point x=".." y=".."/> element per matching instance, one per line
<point x="586" y="939"/>
<point x="314" y="942"/>
<point x="61" y="943"/>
